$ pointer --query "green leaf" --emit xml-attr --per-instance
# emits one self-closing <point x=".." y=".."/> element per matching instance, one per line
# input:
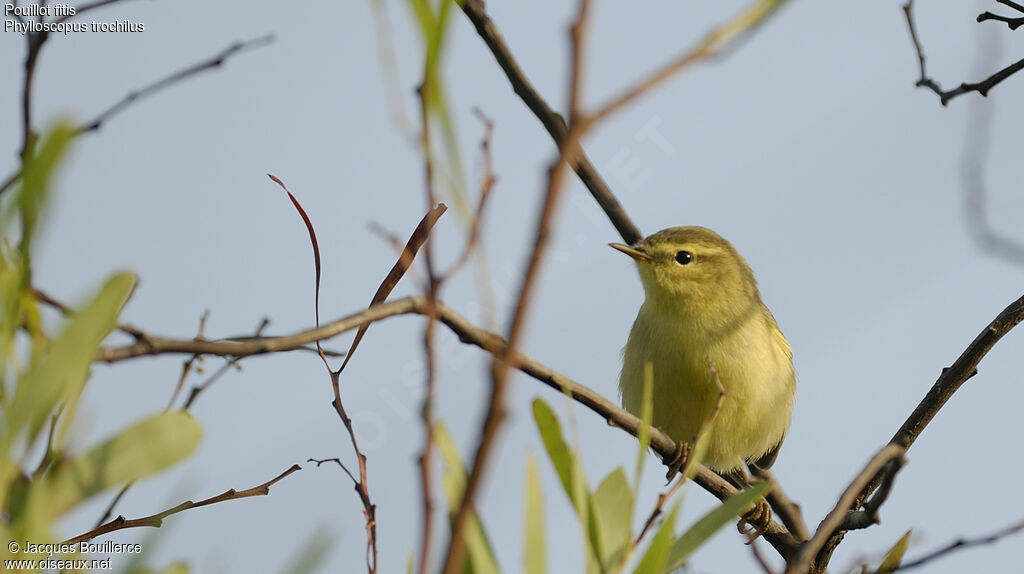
<point x="60" y="373"/>
<point x="895" y="555"/>
<point x="646" y="416"/>
<point x="570" y="473"/>
<point x="535" y="552"/>
<point x="713" y="521"/>
<point x="558" y="451"/>
<point x="613" y="516"/>
<point x="656" y="557"/>
<point x="453" y="480"/>
<point x="139" y="451"/>
<point x="35" y="186"/>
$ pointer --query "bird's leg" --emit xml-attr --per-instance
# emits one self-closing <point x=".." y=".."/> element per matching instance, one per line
<point x="679" y="458"/>
<point x="755" y="521"/>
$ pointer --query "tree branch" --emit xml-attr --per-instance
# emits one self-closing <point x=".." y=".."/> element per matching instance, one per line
<point x="664" y="445"/>
<point x="962" y="544"/>
<point x="215" y="62"/>
<point x="502" y="364"/>
<point x="1011" y="23"/>
<point x="156" y="520"/>
<point x="834" y="519"/>
<point x="552" y="121"/>
<point x="952" y="377"/>
<point x="924" y="81"/>
<point x="34" y="46"/>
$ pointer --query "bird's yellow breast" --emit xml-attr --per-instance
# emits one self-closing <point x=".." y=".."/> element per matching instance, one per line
<point x="754" y="366"/>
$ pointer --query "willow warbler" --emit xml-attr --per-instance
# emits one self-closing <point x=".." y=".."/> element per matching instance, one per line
<point x="702" y="304"/>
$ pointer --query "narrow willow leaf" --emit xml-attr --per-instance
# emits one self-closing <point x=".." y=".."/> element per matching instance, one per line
<point x="895" y="555"/>
<point x="137" y="452"/>
<point x="35" y="186"/>
<point x="60" y="373"/>
<point x="571" y="475"/>
<point x="656" y="557"/>
<point x="711" y="522"/>
<point x="535" y="557"/>
<point x="613" y="515"/>
<point x="646" y="415"/>
<point x="558" y="450"/>
<point x="453" y="481"/>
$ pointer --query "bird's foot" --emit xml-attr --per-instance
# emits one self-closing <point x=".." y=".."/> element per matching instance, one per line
<point x="679" y="459"/>
<point x="756" y="521"/>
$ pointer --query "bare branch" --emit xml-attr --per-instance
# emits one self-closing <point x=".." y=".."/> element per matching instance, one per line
<point x="834" y="519"/>
<point x="148" y="345"/>
<point x="722" y="37"/>
<point x="965" y="367"/>
<point x="868" y="514"/>
<point x="215" y="62"/>
<point x="552" y="121"/>
<point x="500" y="364"/>
<point x="924" y="81"/>
<point x="156" y="520"/>
<point x="35" y="42"/>
<point x="490" y="342"/>
<point x="1011" y="23"/>
<point x="963" y="544"/>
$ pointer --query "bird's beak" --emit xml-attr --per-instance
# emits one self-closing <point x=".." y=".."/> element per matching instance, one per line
<point x="633" y="252"/>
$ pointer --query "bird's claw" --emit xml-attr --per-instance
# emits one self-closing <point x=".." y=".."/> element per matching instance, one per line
<point x="756" y="521"/>
<point x="679" y="458"/>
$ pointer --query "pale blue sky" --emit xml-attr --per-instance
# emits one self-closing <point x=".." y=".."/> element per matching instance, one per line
<point x="808" y="147"/>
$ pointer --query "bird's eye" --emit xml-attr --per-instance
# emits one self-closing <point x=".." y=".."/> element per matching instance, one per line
<point x="684" y="257"/>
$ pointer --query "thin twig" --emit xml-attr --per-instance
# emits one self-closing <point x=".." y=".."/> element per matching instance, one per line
<point x="964" y="544"/>
<point x="868" y="514"/>
<point x="965" y="367"/>
<point x="35" y="42"/>
<point x="924" y="81"/>
<point x="431" y="291"/>
<point x="162" y="84"/>
<point x="185" y="371"/>
<point x="834" y="519"/>
<point x="501" y="365"/>
<point x="231" y="363"/>
<point x="1011" y="23"/>
<point x="67" y="311"/>
<point x="951" y="379"/>
<point x="156" y="520"/>
<point x="718" y="40"/>
<point x="490" y="342"/>
<point x="553" y="122"/>
<point x="486" y="185"/>
<point x="416" y="240"/>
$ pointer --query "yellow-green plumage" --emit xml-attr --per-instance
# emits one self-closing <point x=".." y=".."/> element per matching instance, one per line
<point x="708" y="308"/>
